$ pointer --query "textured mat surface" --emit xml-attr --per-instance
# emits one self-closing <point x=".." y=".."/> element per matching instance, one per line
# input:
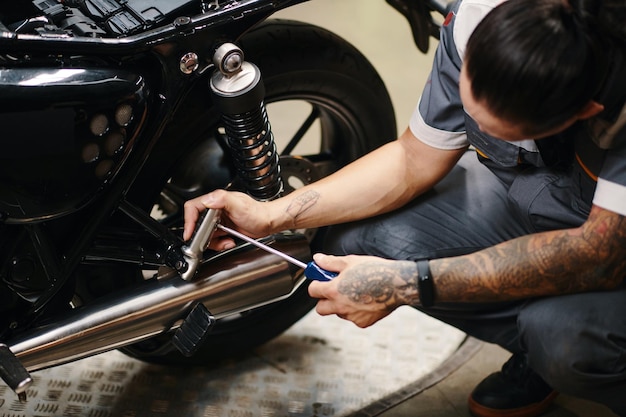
<point x="322" y="366"/>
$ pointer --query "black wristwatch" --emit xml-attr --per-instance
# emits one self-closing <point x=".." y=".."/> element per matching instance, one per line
<point x="425" y="283"/>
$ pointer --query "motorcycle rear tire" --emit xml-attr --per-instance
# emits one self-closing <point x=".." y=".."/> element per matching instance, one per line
<point x="298" y="61"/>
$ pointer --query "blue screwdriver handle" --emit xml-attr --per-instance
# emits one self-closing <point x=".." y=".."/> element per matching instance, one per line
<point x="316" y="273"/>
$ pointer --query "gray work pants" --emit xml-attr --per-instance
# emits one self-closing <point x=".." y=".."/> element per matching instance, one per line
<point x="577" y="343"/>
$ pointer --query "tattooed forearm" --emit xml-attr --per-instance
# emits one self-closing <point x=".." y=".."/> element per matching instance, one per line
<point x="592" y="257"/>
<point x="390" y="284"/>
<point x="302" y="203"/>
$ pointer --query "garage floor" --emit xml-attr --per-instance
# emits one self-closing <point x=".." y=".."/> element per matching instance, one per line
<point x="321" y="366"/>
<point x="406" y="365"/>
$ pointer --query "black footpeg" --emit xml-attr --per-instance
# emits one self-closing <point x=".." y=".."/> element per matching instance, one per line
<point x="194" y="330"/>
<point x="13" y="372"/>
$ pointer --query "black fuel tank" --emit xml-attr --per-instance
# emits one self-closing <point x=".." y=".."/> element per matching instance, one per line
<point x="63" y="133"/>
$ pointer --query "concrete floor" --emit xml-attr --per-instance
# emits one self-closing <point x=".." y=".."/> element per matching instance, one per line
<point x="383" y="35"/>
<point x="448" y="398"/>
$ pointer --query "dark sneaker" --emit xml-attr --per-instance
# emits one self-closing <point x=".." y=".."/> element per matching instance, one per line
<point x="516" y="391"/>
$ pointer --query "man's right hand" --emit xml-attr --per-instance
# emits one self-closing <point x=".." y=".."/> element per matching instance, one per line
<point x="239" y="211"/>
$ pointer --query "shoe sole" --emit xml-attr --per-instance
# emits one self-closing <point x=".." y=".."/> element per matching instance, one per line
<point x="532" y="410"/>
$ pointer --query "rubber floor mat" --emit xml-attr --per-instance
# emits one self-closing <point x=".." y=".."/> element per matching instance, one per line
<point x="322" y="366"/>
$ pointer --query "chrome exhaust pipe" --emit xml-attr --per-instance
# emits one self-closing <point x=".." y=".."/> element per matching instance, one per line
<point x="237" y="280"/>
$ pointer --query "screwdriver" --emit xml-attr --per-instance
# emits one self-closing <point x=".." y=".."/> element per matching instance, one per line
<point x="312" y="270"/>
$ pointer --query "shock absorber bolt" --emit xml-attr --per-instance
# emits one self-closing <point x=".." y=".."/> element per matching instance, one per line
<point x="228" y="58"/>
<point x="232" y="63"/>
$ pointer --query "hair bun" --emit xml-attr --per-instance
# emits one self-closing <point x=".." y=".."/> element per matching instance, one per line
<point x="608" y="16"/>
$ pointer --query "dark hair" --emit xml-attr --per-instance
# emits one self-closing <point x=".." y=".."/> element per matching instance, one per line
<point x="539" y="62"/>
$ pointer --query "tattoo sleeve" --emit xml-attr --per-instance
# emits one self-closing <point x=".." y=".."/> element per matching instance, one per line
<point x="592" y="257"/>
<point x="388" y="284"/>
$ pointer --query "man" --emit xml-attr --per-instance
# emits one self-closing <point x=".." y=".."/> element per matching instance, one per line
<point x="519" y="242"/>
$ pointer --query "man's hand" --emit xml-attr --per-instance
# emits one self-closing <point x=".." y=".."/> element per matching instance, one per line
<point x="367" y="289"/>
<point x="239" y="211"/>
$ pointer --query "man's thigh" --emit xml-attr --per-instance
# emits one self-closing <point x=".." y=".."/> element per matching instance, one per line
<point x="467" y="211"/>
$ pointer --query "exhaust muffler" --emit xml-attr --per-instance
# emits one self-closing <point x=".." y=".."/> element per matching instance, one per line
<point x="237" y="280"/>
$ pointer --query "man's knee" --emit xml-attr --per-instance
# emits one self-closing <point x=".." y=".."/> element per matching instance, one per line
<point x="577" y="351"/>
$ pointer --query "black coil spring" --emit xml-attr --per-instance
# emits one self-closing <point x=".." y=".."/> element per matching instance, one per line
<point x="254" y="152"/>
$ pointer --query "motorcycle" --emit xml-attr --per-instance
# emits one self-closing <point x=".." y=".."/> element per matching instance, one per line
<point x="113" y="114"/>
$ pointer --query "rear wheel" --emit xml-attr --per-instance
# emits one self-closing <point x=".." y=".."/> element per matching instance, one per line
<point x="327" y="106"/>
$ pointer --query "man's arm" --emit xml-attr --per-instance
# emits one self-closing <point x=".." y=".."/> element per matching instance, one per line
<point x="380" y="181"/>
<point x="591" y="257"/>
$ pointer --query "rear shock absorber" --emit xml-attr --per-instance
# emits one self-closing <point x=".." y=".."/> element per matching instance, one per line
<point x="238" y="92"/>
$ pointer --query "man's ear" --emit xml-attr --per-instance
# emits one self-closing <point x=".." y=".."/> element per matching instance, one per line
<point x="591" y="109"/>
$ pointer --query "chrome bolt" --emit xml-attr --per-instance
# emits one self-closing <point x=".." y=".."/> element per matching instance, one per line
<point x="189" y="63"/>
<point x="182" y="21"/>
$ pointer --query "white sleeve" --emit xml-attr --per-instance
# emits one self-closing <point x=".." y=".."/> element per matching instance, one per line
<point x="437" y="138"/>
<point x="470" y="13"/>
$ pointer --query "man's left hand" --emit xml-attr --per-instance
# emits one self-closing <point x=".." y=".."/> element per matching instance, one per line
<point x="367" y="288"/>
